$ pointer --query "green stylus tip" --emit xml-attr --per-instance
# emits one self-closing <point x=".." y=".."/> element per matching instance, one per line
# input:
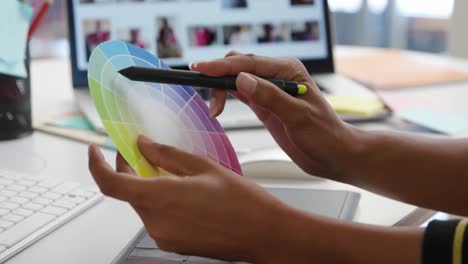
<point x="301" y="89"/>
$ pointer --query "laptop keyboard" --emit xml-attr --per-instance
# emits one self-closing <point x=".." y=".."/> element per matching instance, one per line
<point x="31" y="207"/>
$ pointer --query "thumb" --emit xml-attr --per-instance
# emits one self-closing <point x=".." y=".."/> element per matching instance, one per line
<point x="173" y="160"/>
<point x="265" y="94"/>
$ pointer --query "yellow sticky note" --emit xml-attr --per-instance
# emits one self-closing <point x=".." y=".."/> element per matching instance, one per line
<point x="355" y="104"/>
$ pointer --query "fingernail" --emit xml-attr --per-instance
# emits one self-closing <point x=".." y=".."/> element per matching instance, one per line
<point x="94" y="151"/>
<point x="193" y="65"/>
<point x="214" y="108"/>
<point x="246" y="84"/>
<point x="92" y="148"/>
<point x="144" y="140"/>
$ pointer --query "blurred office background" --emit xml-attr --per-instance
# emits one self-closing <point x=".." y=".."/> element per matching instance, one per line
<point x="420" y="25"/>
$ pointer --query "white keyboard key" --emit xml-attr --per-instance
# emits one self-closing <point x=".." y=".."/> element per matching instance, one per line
<point x="5" y="224"/>
<point x="8" y="193"/>
<point x="23" y="212"/>
<point x="73" y="199"/>
<point x="34" y="178"/>
<point x="49" y="183"/>
<point x="42" y="201"/>
<point x="65" y="188"/>
<point x="6" y="181"/>
<point x="54" y="210"/>
<point x="29" y="195"/>
<point x="23" y="229"/>
<point x="27" y="183"/>
<point x="4" y="211"/>
<point x="19" y="200"/>
<point x="16" y="188"/>
<point x="11" y="176"/>
<point x="33" y="206"/>
<point x="93" y="189"/>
<point x="9" y="205"/>
<point x="64" y="204"/>
<point x="82" y="193"/>
<point x="51" y="196"/>
<point x="13" y="218"/>
<point x="37" y="189"/>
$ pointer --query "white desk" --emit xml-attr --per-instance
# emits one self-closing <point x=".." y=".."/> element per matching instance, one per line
<point x="99" y="234"/>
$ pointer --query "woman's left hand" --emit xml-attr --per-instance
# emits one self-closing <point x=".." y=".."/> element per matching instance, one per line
<point x="206" y="210"/>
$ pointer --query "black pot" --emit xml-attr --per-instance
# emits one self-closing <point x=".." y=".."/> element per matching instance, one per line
<point x="15" y="105"/>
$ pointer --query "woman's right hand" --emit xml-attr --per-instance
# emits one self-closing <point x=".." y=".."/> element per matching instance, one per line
<point x="305" y="127"/>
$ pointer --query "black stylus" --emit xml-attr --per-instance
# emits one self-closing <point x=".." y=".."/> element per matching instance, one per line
<point x="180" y="77"/>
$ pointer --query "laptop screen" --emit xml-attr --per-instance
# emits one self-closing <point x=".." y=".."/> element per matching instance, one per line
<point x="180" y="32"/>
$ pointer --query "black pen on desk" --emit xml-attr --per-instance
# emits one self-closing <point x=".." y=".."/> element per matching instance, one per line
<point x="181" y="77"/>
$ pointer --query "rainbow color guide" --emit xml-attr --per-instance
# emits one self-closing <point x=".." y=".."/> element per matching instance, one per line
<point x="168" y="114"/>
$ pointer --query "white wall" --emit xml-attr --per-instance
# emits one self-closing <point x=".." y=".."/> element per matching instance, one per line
<point x="458" y="37"/>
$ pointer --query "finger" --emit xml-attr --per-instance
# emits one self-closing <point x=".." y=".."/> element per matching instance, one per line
<point x="139" y="192"/>
<point x="233" y="53"/>
<point x="265" y="67"/>
<point x="175" y="161"/>
<point x="282" y="137"/>
<point x="121" y="186"/>
<point x="193" y="65"/>
<point x="217" y="102"/>
<point x="238" y="96"/>
<point x="218" y="97"/>
<point x="122" y="165"/>
<point x="264" y="94"/>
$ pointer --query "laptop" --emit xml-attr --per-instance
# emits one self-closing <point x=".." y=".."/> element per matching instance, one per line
<point x="180" y="32"/>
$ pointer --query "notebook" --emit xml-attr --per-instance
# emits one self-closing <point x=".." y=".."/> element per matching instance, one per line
<point x="394" y="69"/>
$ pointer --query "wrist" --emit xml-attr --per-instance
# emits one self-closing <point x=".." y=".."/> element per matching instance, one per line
<point x="356" y="147"/>
<point x="298" y="237"/>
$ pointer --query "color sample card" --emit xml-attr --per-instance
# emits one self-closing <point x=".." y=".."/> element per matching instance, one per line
<point x="168" y="114"/>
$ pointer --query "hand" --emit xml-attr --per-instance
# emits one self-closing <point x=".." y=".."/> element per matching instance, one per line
<point x="305" y="127"/>
<point x="206" y="210"/>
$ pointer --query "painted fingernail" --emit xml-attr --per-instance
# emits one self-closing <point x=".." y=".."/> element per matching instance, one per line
<point x="246" y="84"/>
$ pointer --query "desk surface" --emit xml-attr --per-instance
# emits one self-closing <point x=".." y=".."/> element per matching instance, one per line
<point x="99" y="234"/>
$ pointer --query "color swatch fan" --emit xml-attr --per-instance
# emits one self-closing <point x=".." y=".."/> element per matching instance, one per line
<point x="168" y="114"/>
